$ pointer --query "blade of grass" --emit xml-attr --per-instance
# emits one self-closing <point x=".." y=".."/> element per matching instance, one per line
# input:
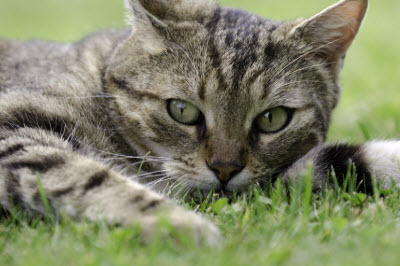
<point x="43" y="195"/>
<point x="142" y="163"/>
<point x="308" y="191"/>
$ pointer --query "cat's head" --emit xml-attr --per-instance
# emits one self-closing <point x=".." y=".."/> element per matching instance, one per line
<point x="227" y="98"/>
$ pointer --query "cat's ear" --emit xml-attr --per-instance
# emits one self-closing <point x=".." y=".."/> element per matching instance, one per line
<point x="150" y="20"/>
<point x="330" y="33"/>
<point x="167" y="10"/>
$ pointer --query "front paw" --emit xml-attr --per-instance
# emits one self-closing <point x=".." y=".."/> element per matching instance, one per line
<point x="201" y="230"/>
<point x="180" y="222"/>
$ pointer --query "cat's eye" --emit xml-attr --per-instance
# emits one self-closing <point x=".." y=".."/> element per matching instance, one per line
<point x="184" y="112"/>
<point x="273" y="120"/>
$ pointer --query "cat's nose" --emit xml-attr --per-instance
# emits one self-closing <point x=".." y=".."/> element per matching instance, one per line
<point x="225" y="171"/>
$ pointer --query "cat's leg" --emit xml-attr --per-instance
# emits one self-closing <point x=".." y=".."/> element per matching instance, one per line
<point x="378" y="159"/>
<point x="82" y="187"/>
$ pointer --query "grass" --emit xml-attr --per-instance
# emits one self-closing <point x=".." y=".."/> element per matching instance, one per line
<point x="335" y="228"/>
<point x="265" y="228"/>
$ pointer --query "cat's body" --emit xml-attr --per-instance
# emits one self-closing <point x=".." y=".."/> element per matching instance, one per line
<point x="60" y="87"/>
<point x="84" y="116"/>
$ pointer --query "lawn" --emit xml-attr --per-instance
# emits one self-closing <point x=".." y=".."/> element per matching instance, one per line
<point x="335" y="228"/>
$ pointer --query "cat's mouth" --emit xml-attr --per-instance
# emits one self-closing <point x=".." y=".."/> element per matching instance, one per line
<point x="236" y="187"/>
<point x="202" y="185"/>
<point x="189" y="190"/>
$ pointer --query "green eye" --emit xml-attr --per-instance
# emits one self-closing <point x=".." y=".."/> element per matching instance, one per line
<point x="184" y="112"/>
<point x="273" y="120"/>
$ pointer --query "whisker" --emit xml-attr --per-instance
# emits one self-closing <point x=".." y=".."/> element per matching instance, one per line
<point x="146" y="177"/>
<point x="183" y="186"/>
<point x="152" y="184"/>
<point x="302" y="56"/>
<point x="297" y="82"/>
<point x="141" y="178"/>
<point x="177" y="182"/>
<point x="304" y="68"/>
<point x="151" y="173"/>
<point x="85" y="97"/>
<point x="135" y="157"/>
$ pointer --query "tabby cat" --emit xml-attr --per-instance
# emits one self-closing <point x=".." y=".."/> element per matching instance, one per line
<point x="192" y="97"/>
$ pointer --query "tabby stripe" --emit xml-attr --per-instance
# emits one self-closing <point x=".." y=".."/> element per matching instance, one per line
<point x="245" y="57"/>
<point x="37" y="199"/>
<point x="33" y="118"/>
<point x="40" y="166"/>
<point x="136" y="199"/>
<point x="216" y="63"/>
<point x="201" y="132"/>
<point x="229" y="39"/>
<point x="11" y="150"/>
<point x="96" y="180"/>
<point x="144" y="95"/>
<point x="151" y="205"/>
<point x="124" y="85"/>
<point x="273" y="28"/>
<point x="120" y="83"/>
<point x="12" y="188"/>
<point x="270" y="52"/>
<point x="212" y="25"/>
<point x="62" y="192"/>
<point x="212" y="50"/>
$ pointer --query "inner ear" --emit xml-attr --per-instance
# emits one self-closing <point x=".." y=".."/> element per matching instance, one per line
<point x="332" y="31"/>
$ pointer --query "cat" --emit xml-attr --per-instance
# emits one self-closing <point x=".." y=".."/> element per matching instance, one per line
<point x="192" y="97"/>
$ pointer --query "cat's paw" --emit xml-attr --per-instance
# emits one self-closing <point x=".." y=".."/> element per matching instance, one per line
<point x="202" y="230"/>
<point x="184" y="223"/>
<point x="129" y="204"/>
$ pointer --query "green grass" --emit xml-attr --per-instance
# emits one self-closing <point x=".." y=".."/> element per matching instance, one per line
<point x="335" y="228"/>
<point x="264" y="228"/>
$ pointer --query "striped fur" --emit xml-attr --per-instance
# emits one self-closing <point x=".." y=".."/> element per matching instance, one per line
<point x="87" y="116"/>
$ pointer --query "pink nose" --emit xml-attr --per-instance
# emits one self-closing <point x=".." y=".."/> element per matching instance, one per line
<point x="225" y="171"/>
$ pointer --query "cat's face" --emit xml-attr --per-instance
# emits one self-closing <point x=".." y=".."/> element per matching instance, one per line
<point x="227" y="98"/>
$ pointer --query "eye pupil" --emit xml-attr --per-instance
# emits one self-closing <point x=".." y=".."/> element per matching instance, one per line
<point x="269" y="116"/>
<point x="182" y="107"/>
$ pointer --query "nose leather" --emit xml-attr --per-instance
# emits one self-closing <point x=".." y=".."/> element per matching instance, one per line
<point x="225" y="171"/>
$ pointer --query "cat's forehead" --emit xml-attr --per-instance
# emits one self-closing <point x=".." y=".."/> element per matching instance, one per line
<point x="238" y="24"/>
<point x="244" y="52"/>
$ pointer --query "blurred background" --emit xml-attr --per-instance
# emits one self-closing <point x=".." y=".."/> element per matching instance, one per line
<point x="370" y="104"/>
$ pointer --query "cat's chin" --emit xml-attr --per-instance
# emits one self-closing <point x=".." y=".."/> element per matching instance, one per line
<point x="199" y="194"/>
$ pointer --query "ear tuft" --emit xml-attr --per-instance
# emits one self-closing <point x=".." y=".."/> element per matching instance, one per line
<point x="332" y="31"/>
